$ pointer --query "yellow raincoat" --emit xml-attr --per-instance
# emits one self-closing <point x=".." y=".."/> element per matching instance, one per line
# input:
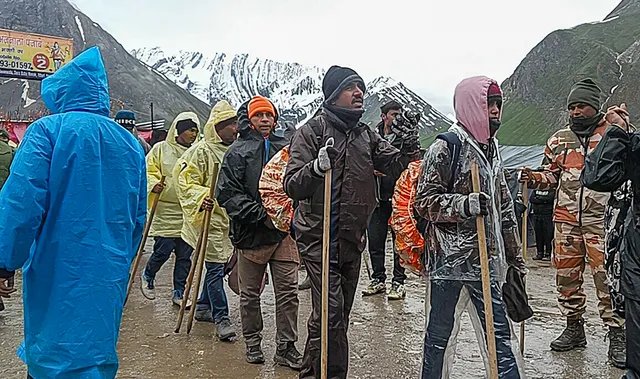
<point x="167" y="221"/>
<point x="193" y="173"/>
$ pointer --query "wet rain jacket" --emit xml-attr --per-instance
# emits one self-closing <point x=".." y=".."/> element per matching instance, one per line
<point x="72" y="212"/>
<point x="237" y="189"/>
<point x="354" y="186"/>
<point x="451" y="237"/>
<point x="610" y="165"/>
<point x="193" y="174"/>
<point x="161" y="160"/>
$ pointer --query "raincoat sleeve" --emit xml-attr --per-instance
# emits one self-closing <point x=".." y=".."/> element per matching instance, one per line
<point x="549" y="177"/>
<point x="189" y="174"/>
<point x="230" y="193"/>
<point x="510" y="236"/>
<point x="607" y="167"/>
<point x="386" y="158"/>
<point x="23" y="200"/>
<point x="432" y="201"/>
<point x="300" y="179"/>
<point x="154" y="168"/>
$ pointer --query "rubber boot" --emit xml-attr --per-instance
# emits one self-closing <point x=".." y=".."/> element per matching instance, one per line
<point x="617" y="347"/>
<point x="572" y="337"/>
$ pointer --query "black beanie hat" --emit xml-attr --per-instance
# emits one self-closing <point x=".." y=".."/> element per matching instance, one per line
<point x="337" y="79"/>
<point x="184" y="125"/>
<point x="585" y="91"/>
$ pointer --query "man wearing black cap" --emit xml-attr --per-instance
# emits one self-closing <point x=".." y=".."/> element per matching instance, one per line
<point x="579" y="219"/>
<point x="379" y="225"/>
<point x="357" y="151"/>
<point x="127" y="119"/>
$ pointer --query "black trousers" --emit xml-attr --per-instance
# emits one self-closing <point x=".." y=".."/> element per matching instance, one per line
<point x="343" y="281"/>
<point x="544" y="228"/>
<point x="377" y="235"/>
<point x="633" y="336"/>
<point x="162" y="249"/>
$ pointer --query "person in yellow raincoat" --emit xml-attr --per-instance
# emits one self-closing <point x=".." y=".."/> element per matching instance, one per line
<point x="166" y="228"/>
<point x="194" y="173"/>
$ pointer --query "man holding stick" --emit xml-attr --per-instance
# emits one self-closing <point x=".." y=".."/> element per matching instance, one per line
<point x="446" y="199"/>
<point x="252" y="232"/>
<point x="579" y="219"/>
<point x="357" y="152"/>
<point x="166" y="225"/>
<point x="194" y="173"/>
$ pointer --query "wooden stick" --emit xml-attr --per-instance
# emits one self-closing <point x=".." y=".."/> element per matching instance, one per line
<point x="486" y="281"/>
<point x="326" y="231"/>
<point x="525" y="200"/>
<point x="189" y="283"/>
<point x="145" y="235"/>
<point x="203" y="250"/>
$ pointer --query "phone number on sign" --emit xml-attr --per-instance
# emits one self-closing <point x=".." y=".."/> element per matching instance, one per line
<point x="18" y="65"/>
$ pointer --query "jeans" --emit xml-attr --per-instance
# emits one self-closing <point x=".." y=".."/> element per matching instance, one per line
<point x="343" y="281"/>
<point x="443" y="322"/>
<point x="377" y="235"/>
<point x="213" y="296"/>
<point x="162" y="249"/>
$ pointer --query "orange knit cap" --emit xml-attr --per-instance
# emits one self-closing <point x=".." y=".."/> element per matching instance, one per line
<point x="260" y="104"/>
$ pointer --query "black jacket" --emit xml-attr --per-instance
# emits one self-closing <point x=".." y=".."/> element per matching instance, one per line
<point x="237" y="188"/>
<point x="386" y="185"/>
<point x="614" y="161"/>
<point x="542" y="202"/>
<point x="360" y="151"/>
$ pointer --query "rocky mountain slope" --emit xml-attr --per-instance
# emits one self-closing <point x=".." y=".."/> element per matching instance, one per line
<point x="294" y="88"/>
<point x="130" y="82"/>
<point x="607" y="51"/>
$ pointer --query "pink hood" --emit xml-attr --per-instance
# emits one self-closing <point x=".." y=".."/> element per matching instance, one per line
<point x="470" y="104"/>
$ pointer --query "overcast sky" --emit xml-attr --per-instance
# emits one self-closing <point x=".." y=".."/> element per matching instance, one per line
<point x="428" y="45"/>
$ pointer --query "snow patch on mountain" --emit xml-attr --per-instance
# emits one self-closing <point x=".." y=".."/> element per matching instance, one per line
<point x="295" y="89"/>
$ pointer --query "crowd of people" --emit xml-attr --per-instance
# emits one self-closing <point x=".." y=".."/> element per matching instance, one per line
<point x="74" y="205"/>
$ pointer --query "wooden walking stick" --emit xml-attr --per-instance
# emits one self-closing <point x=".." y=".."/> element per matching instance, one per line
<point x="189" y="283"/>
<point x="486" y="281"/>
<point x="326" y="231"/>
<point x="203" y="250"/>
<point x="525" y="200"/>
<point x="145" y="235"/>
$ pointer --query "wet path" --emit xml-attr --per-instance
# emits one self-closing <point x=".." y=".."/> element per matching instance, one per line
<point x="385" y="338"/>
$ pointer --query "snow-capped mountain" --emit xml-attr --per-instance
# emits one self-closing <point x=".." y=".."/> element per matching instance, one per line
<point x="295" y="89"/>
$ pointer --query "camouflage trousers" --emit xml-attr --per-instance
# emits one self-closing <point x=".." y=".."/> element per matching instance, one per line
<point x="576" y="246"/>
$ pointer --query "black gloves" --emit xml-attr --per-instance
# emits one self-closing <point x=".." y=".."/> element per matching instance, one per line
<point x="476" y="204"/>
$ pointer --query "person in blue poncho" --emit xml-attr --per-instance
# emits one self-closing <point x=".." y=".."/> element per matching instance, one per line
<point x="71" y="215"/>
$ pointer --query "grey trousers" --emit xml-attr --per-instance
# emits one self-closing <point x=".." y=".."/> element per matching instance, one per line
<point x="285" y="285"/>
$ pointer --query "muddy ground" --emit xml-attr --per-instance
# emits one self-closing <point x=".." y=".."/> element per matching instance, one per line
<point x="385" y="337"/>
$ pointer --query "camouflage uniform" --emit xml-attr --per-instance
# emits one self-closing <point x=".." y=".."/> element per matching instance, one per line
<point x="579" y="217"/>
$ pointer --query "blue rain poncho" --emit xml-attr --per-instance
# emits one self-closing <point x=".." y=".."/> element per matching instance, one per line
<point x="71" y="215"/>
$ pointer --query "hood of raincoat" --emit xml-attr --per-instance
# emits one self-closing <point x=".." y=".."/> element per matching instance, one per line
<point x="222" y="111"/>
<point x="470" y="104"/>
<point x="80" y="85"/>
<point x="172" y="133"/>
<point x="244" y="124"/>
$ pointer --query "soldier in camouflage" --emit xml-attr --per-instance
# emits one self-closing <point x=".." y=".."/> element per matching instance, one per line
<point x="579" y="219"/>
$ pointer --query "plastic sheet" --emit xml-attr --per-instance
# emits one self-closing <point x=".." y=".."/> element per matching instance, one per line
<point x="409" y="243"/>
<point x="277" y="203"/>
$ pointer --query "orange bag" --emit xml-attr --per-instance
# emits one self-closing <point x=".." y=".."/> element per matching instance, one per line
<point x="409" y="243"/>
<point x="277" y="203"/>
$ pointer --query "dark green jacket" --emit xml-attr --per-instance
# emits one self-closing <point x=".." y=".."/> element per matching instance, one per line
<point x="6" y="157"/>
